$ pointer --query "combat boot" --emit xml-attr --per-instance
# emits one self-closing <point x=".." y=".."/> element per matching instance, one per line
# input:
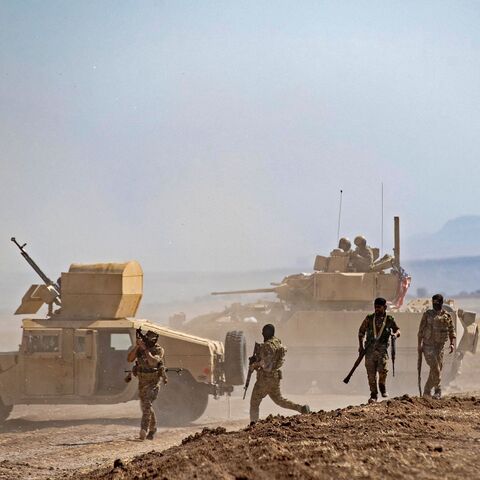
<point x="151" y="434"/>
<point x="438" y="393"/>
<point x="383" y="390"/>
<point x="143" y="434"/>
<point x="305" y="409"/>
<point x="427" y="394"/>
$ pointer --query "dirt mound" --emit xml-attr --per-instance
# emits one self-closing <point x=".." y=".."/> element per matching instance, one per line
<point x="400" y="438"/>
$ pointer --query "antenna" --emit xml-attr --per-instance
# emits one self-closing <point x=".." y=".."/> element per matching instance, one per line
<point x="381" y="249"/>
<point x="339" y="215"/>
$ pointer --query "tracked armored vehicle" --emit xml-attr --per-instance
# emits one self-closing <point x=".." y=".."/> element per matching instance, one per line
<point x="76" y="354"/>
<point x="317" y="316"/>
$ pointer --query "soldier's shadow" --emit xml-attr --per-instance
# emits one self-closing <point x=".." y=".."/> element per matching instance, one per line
<point x="26" y="425"/>
<point x="21" y="425"/>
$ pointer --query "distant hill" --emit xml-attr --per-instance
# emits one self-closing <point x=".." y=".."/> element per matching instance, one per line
<point x="447" y="275"/>
<point x="459" y="237"/>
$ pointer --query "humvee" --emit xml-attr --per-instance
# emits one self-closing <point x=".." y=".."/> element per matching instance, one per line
<point x="76" y="354"/>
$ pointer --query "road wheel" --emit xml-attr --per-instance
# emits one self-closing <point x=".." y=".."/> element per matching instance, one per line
<point x="235" y="358"/>
<point x="181" y="401"/>
<point x="4" y="411"/>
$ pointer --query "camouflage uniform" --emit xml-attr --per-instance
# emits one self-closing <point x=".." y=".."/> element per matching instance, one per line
<point x="362" y="259"/>
<point x="148" y="385"/>
<point x="378" y="330"/>
<point x="435" y="328"/>
<point x="268" y="379"/>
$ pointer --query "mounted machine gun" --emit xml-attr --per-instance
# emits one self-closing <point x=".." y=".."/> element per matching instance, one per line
<point x="37" y="295"/>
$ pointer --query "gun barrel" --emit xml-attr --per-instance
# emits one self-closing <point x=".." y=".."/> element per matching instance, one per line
<point x="37" y="269"/>
<point x="255" y="290"/>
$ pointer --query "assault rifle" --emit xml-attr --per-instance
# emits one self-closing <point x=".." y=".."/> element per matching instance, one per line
<point x="149" y="342"/>
<point x="251" y="360"/>
<point x="361" y="354"/>
<point x="419" y="371"/>
<point x="133" y="372"/>
<point x="393" y="352"/>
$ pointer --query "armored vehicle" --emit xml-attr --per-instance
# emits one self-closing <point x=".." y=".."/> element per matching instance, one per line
<point x="76" y="354"/>
<point x="317" y="316"/>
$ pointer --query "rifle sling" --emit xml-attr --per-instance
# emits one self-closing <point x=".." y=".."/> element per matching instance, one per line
<point x="377" y="337"/>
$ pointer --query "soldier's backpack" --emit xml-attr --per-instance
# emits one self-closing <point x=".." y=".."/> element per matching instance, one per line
<point x="279" y="357"/>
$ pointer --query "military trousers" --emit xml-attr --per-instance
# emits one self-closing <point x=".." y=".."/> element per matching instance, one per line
<point x="148" y="387"/>
<point x="434" y="357"/>
<point x="376" y="362"/>
<point x="268" y="383"/>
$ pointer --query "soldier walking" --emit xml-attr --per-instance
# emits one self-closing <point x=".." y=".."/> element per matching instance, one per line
<point x="378" y="327"/>
<point x="436" y="327"/>
<point x="269" y="375"/>
<point x="149" y="368"/>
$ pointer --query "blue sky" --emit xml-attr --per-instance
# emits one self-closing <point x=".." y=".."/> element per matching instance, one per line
<point x="216" y="135"/>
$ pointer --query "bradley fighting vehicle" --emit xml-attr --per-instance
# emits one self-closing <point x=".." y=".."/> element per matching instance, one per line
<point x="76" y="354"/>
<point x="318" y="314"/>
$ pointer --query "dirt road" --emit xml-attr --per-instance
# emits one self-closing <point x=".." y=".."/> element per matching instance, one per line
<point x="40" y="442"/>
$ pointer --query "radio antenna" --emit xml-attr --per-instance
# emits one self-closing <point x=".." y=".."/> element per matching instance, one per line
<point x="339" y="215"/>
<point x="381" y="250"/>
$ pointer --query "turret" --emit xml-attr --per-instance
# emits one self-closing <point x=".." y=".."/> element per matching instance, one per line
<point x="333" y="284"/>
<point x="86" y="291"/>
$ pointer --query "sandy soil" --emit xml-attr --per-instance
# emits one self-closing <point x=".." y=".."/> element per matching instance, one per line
<point x="400" y="438"/>
<point x="40" y="442"/>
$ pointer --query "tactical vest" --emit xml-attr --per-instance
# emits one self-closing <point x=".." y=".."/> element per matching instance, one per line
<point x="436" y="329"/>
<point x="142" y="365"/>
<point x="382" y="335"/>
<point x="279" y="352"/>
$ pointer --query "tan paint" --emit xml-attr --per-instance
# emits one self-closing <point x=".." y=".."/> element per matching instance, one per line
<point x="318" y="315"/>
<point x="78" y="353"/>
<point x="102" y="290"/>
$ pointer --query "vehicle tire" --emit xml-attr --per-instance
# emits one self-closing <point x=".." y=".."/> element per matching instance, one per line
<point x="235" y="358"/>
<point x="4" y="411"/>
<point x="181" y="401"/>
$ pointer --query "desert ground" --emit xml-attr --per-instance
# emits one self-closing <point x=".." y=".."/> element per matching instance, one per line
<point x="40" y="442"/>
<point x="408" y="438"/>
<point x="400" y="438"/>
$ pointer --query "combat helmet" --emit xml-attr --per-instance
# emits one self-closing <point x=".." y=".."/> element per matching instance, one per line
<point x="344" y="244"/>
<point x="360" y="241"/>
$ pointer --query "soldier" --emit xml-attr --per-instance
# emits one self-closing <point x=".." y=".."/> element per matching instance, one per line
<point x="378" y="327"/>
<point x="271" y="357"/>
<point x="149" y="368"/>
<point x="362" y="258"/>
<point x="435" y="328"/>
<point x="344" y="248"/>
<point x="345" y="245"/>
